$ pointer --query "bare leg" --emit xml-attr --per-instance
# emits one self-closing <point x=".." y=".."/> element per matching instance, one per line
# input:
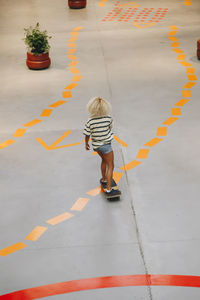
<point x="109" y="160"/>
<point x="103" y="167"/>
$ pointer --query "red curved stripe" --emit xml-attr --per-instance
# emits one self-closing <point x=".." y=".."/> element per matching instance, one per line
<point x="101" y="283"/>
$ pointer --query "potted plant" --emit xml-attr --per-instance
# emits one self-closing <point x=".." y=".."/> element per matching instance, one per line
<point x="38" y="48"/>
<point x="77" y="3"/>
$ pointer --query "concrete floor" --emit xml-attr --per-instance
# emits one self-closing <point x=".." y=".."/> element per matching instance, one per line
<point x="154" y="228"/>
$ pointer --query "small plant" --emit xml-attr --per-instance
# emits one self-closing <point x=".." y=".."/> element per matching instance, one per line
<point x="36" y="40"/>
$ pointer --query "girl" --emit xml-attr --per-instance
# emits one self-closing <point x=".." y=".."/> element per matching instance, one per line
<point x="99" y="127"/>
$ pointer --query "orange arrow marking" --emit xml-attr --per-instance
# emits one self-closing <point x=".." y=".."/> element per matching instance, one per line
<point x="143" y="25"/>
<point x="53" y="146"/>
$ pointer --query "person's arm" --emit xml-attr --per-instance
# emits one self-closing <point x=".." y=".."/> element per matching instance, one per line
<point x="87" y="146"/>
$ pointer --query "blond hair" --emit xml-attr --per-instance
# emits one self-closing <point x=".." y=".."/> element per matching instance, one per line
<point x="98" y="107"/>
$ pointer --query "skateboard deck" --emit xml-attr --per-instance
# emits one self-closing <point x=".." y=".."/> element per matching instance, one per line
<point x="114" y="187"/>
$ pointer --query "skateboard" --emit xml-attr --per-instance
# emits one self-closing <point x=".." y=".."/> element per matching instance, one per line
<point x="114" y="187"/>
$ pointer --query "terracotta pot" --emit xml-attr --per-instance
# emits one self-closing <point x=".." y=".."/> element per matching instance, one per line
<point x="38" y="62"/>
<point x="77" y="3"/>
<point x="198" y="53"/>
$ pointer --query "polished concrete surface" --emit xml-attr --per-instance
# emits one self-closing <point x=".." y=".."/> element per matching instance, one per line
<point x="154" y="228"/>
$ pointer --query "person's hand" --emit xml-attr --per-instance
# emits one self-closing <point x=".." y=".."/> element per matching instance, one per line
<point x="87" y="146"/>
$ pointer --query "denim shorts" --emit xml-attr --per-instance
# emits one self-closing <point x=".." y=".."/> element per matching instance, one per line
<point x="107" y="148"/>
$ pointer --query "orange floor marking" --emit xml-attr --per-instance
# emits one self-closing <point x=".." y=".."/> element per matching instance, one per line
<point x="101" y="4"/>
<point x="72" y="57"/>
<point x="73" y="64"/>
<point x="120" y="141"/>
<point x="189" y="85"/>
<point x="36" y="233"/>
<point x="78" y="28"/>
<point x="161" y="131"/>
<point x="176" y="111"/>
<point x="173" y="38"/>
<point x="71" y="51"/>
<point x="117" y="176"/>
<point x="94" y="192"/>
<point x="94" y="153"/>
<point x="170" y="121"/>
<point x="142" y="153"/>
<point x="177" y="50"/>
<point x="172" y="33"/>
<point x="32" y="123"/>
<point x="71" y="45"/>
<point x="190" y="70"/>
<point x="76" y="78"/>
<point x="181" y="57"/>
<point x="46" y="113"/>
<point x="129" y="4"/>
<point x="182" y="102"/>
<point x="19" y="132"/>
<point x="153" y="142"/>
<point x="73" y="39"/>
<point x="80" y="204"/>
<point x="12" y="249"/>
<point x="173" y="27"/>
<point x="186" y="93"/>
<point x="175" y="44"/>
<point x="6" y="143"/>
<point x="192" y="77"/>
<point x="188" y="3"/>
<point x="143" y="25"/>
<point x="74" y="33"/>
<point x="71" y="86"/>
<point x="67" y="94"/>
<point x="130" y="165"/>
<point x="185" y="63"/>
<point x="58" y="103"/>
<point x="75" y="71"/>
<point x="60" y="218"/>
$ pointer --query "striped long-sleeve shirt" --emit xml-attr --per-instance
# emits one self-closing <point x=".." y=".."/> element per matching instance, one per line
<point x="100" y="130"/>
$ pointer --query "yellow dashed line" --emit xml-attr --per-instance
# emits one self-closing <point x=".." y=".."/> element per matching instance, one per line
<point x="12" y="249"/>
<point x="130" y="165"/>
<point x="60" y="218"/>
<point x="185" y="63"/>
<point x="80" y="204"/>
<point x="142" y="153"/>
<point x="6" y="143"/>
<point x="32" y="123"/>
<point x="36" y="233"/>
<point x="181" y="57"/>
<point x="120" y="141"/>
<point x="74" y="71"/>
<point x="46" y="113"/>
<point x="189" y="85"/>
<point x="19" y="132"/>
<point x="172" y="38"/>
<point x="172" y="33"/>
<point x="182" y="102"/>
<point x="176" y="111"/>
<point x="72" y="57"/>
<point x="71" y="86"/>
<point x="190" y="70"/>
<point x="94" y="192"/>
<point x="186" y="93"/>
<point x="76" y="78"/>
<point x="73" y="64"/>
<point x="71" y="45"/>
<point x="192" y="77"/>
<point x="170" y="121"/>
<point x="153" y="142"/>
<point x="58" y="103"/>
<point x="177" y="50"/>
<point x="67" y="94"/>
<point x="71" y="51"/>
<point x="161" y="131"/>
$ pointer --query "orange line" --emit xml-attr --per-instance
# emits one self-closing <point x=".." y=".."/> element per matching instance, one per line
<point x="59" y="219"/>
<point x="36" y="233"/>
<point x="32" y="123"/>
<point x="19" y="132"/>
<point x="12" y="249"/>
<point x="6" y="143"/>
